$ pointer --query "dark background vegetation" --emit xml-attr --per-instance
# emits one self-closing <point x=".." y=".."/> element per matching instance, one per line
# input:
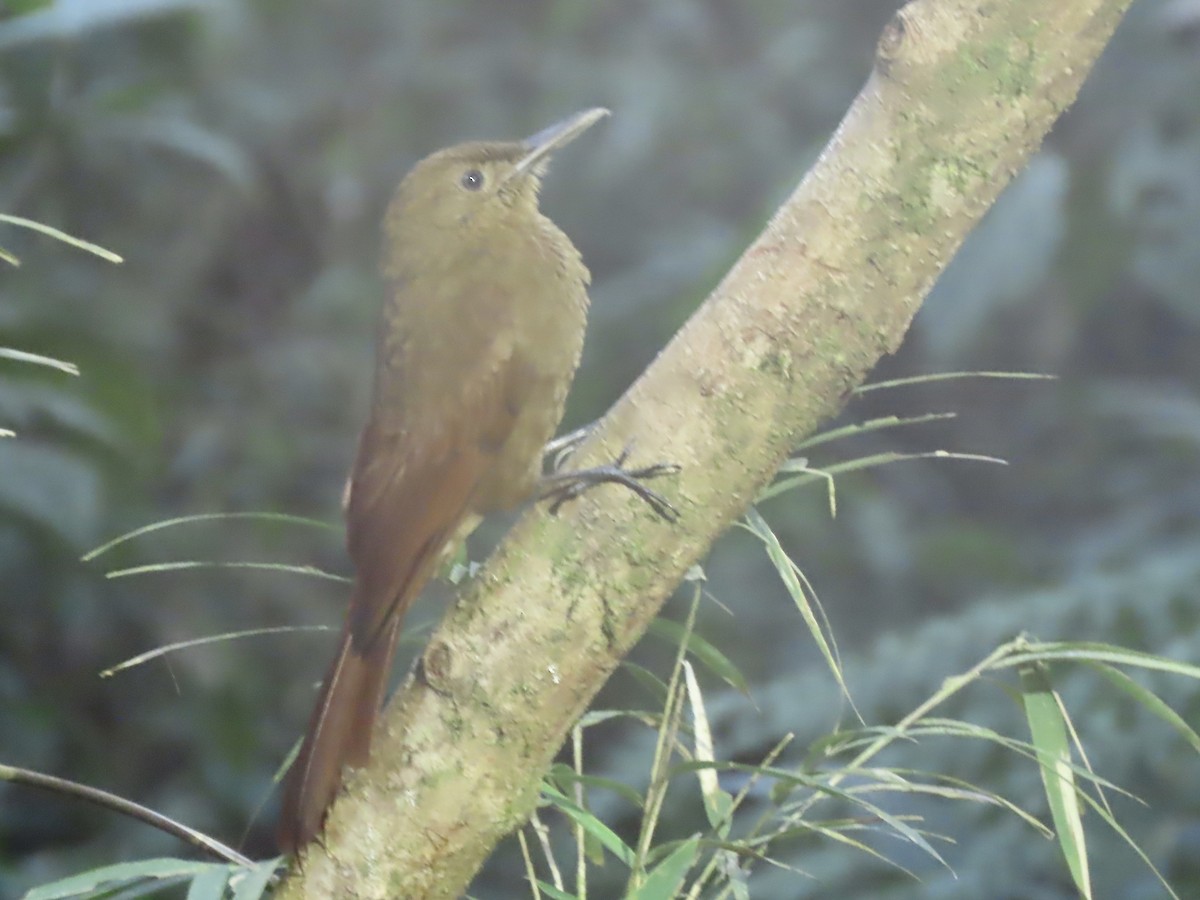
<point x="239" y="155"/>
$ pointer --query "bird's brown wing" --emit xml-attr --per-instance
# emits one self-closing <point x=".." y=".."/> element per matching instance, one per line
<point x="409" y="494"/>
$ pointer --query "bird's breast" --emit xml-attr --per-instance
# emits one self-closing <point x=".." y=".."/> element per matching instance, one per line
<point x="484" y="351"/>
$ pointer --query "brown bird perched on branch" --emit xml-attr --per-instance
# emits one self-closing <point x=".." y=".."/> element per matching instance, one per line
<point x="478" y="343"/>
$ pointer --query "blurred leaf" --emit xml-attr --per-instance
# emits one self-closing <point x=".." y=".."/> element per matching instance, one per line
<point x="55" y="488"/>
<point x="801" y="592"/>
<point x="253" y="884"/>
<point x="209" y="885"/>
<point x="24" y="403"/>
<point x="68" y="20"/>
<point x="119" y="874"/>
<point x="712" y="658"/>
<point x="554" y="893"/>
<point x="21" y="7"/>
<point x="651" y="683"/>
<point x="190" y="140"/>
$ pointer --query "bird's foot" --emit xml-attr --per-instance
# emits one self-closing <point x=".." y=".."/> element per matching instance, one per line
<point x="563" y="487"/>
<point x="560" y="449"/>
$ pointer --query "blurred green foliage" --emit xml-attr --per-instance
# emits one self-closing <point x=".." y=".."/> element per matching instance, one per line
<point x="238" y="154"/>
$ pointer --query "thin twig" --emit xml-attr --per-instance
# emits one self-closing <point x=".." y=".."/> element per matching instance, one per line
<point x="125" y="807"/>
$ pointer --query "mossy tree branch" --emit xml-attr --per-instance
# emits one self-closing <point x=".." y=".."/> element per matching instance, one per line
<point x="961" y="95"/>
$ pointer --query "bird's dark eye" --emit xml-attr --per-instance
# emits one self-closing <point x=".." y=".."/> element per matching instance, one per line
<point x="472" y="179"/>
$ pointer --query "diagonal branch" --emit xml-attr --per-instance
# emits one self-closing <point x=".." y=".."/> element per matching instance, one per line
<point x="961" y="95"/>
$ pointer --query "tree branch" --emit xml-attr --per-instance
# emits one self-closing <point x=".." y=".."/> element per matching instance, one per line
<point x="961" y="95"/>
<point x="109" y="801"/>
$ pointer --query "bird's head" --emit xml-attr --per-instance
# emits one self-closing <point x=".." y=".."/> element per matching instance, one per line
<point x="479" y="185"/>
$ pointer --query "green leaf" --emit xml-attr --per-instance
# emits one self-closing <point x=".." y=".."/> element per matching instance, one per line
<point x="653" y="685"/>
<point x="1151" y="701"/>
<point x="793" y="579"/>
<point x="824" y="786"/>
<point x="118" y="875"/>
<point x="593" y="826"/>
<point x="564" y="776"/>
<point x="714" y="660"/>
<point x="1049" y="733"/>
<point x="252" y="884"/>
<point x="664" y="882"/>
<point x="209" y="885"/>
<point x="554" y="893"/>
<point x="68" y="20"/>
<point x="21" y="7"/>
<point x="1093" y="652"/>
<point x="718" y="804"/>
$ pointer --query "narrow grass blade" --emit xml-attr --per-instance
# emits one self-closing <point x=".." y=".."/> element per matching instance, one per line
<point x="867" y="462"/>
<point x="951" y="376"/>
<point x="880" y="424"/>
<point x="800" y="591"/>
<point x="205" y="517"/>
<point x="96" y="249"/>
<point x="1151" y="701"/>
<point x="149" y="655"/>
<point x="38" y="360"/>
<point x="180" y="565"/>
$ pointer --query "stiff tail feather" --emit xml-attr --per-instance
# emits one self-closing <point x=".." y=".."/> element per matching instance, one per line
<point x="338" y="735"/>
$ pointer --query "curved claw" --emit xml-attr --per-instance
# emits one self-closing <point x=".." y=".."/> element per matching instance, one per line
<point x="566" y="486"/>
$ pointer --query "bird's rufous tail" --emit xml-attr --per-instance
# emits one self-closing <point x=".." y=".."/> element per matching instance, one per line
<point x="339" y="734"/>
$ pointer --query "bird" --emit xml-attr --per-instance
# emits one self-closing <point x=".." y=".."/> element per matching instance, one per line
<point x="480" y="334"/>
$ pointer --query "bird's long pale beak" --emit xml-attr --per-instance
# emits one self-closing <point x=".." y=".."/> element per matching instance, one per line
<point x="557" y="135"/>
